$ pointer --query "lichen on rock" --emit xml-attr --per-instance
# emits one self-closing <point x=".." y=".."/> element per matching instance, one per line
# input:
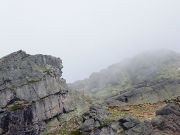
<point x="32" y="92"/>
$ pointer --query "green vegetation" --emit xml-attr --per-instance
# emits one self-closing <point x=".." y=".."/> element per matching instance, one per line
<point x="32" y="80"/>
<point x="9" y="86"/>
<point x="16" y="107"/>
<point x="33" y="102"/>
<point x="64" y="132"/>
<point x="170" y="71"/>
<point x="47" y="71"/>
<point x="77" y="132"/>
<point x="17" y="64"/>
<point x="103" y="125"/>
<point x="37" y="68"/>
<point x="150" y="66"/>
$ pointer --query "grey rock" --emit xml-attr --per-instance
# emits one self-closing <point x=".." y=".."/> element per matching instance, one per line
<point x="112" y="129"/>
<point x="133" y="126"/>
<point x="95" y="117"/>
<point x="88" y="125"/>
<point x="125" y="126"/>
<point x="157" y="121"/>
<point x="32" y="92"/>
<point x="20" y="123"/>
<point x="169" y="109"/>
<point x="167" y="120"/>
<point x="154" y="92"/>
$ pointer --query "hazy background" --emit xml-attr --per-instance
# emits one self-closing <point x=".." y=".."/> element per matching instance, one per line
<point x="88" y="34"/>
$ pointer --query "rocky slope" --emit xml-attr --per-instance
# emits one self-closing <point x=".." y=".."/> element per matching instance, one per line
<point x="32" y="93"/>
<point x="147" y="92"/>
<point x="166" y="122"/>
<point x="146" y="78"/>
<point x="149" y="119"/>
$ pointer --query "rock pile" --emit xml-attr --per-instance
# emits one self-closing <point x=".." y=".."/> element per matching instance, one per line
<point x="166" y="122"/>
<point x="125" y="126"/>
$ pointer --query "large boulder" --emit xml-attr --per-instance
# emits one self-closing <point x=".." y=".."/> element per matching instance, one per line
<point x="167" y="120"/>
<point x="95" y="117"/>
<point x="32" y="92"/>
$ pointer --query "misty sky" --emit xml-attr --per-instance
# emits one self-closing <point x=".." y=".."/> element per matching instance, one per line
<point x="88" y="35"/>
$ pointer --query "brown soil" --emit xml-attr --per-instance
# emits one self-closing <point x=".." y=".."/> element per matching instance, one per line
<point x="141" y="112"/>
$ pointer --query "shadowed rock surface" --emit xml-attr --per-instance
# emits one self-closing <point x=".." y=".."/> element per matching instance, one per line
<point x="147" y="92"/>
<point x="167" y="120"/>
<point x="32" y="92"/>
<point x="94" y="118"/>
<point x="125" y="126"/>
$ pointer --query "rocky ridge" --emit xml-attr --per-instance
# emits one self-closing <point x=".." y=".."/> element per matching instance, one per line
<point x="146" y="78"/>
<point x="147" y="92"/>
<point x="32" y="92"/>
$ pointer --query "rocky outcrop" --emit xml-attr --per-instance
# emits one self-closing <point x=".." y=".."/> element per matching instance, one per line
<point x="167" y="120"/>
<point x="147" y="92"/>
<point x="32" y="92"/>
<point x="94" y="118"/>
<point x="125" y="126"/>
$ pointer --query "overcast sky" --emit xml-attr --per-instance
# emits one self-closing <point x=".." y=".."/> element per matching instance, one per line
<point x="88" y="35"/>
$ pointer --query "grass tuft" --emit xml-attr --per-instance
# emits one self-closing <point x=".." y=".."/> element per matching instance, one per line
<point x="16" y="107"/>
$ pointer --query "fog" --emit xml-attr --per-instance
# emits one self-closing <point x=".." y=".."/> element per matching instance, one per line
<point x="88" y="35"/>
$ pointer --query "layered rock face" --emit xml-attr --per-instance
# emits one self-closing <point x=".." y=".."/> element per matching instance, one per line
<point x="147" y="92"/>
<point x="31" y="93"/>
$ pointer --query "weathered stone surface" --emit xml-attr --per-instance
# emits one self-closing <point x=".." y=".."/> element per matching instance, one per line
<point x="31" y="93"/>
<point x="147" y="92"/>
<point x="133" y="126"/>
<point x="125" y="126"/>
<point x="95" y="117"/>
<point x="167" y="120"/>
<point x="112" y="129"/>
<point x="75" y="104"/>
<point x="20" y="122"/>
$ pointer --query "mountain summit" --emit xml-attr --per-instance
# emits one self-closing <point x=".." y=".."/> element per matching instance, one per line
<point x="151" y="76"/>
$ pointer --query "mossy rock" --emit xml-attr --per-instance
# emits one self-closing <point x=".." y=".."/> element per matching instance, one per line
<point x="16" y="107"/>
<point x="32" y="80"/>
<point x="9" y="86"/>
<point x="47" y="71"/>
<point x="103" y="125"/>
